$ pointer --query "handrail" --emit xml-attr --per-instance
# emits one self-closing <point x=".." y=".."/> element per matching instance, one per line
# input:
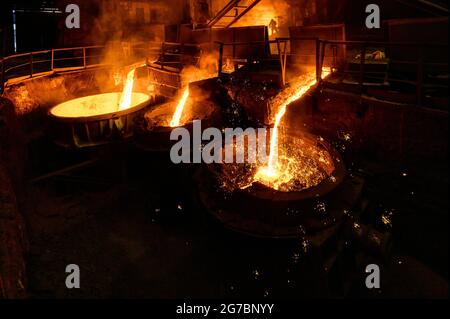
<point x="379" y="43"/>
<point x="165" y="52"/>
<point x="420" y="62"/>
<point x="245" y="43"/>
<point x="282" y="44"/>
<point x="35" y="58"/>
<point x="33" y="62"/>
<point x="79" y="48"/>
<point x="320" y="53"/>
<point x="23" y="54"/>
<point x="181" y="44"/>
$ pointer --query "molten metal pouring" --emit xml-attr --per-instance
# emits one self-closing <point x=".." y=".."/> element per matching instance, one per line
<point x="274" y="174"/>
<point x="175" y="122"/>
<point x="125" y="99"/>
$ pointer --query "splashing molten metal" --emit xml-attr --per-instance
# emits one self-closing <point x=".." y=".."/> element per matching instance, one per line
<point x="282" y="169"/>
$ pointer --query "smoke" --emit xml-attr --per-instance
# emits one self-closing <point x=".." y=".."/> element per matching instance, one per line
<point x="271" y="13"/>
<point x="206" y="68"/>
<point x="132" y="21"/>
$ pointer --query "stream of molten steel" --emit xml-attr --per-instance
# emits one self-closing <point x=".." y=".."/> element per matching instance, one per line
<point x="125" y="99"/>
<point x="272" y="170"/>
<point x="176" y="119"/>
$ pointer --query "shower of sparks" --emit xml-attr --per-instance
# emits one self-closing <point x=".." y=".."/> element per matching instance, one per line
<point x="277" y="173"/>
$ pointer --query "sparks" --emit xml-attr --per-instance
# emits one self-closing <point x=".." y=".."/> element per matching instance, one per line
<point x="275" y="174"/>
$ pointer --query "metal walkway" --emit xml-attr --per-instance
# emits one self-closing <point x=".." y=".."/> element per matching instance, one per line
<point x="231" y="13"/>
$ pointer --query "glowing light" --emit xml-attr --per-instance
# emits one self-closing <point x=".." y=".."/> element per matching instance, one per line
<point x="278" y="172"/>
<point x="180" y="107"/>
<point x="95" y="105"/>
<point x="271" y="172"/>
<point x="125" y="99"/>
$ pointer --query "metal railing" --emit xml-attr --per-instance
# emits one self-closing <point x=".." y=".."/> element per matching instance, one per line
<point x="28" y="65"/>
<point x="31" y="64"/>
<point x="248" y="55"/>
<point x="325" y="52"/>
<point x="176" y="54"/>
<point x="416" y="63"/>
<point x="335" y="55"/>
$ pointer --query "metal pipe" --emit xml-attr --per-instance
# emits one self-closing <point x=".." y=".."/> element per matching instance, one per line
<point x="318" y="69"/>
<point x="389" y="44"/>
<point x="31" y="65"/>
<point x="84" y="58"/>
<point x="2" y="77"/>
<point x="53" y="59"/>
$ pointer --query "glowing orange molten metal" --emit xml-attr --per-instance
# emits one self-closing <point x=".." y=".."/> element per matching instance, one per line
<point x="180" y="107"/>
<point x="277" y="173"/>
<point x="125" y="99"/>
<point x="95" y="105"/>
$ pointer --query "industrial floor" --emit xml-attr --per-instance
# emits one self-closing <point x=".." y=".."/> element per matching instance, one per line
<point x="134" y="226"/>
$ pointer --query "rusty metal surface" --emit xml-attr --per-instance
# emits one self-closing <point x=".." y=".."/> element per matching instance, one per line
<point x="267" y="222"/>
